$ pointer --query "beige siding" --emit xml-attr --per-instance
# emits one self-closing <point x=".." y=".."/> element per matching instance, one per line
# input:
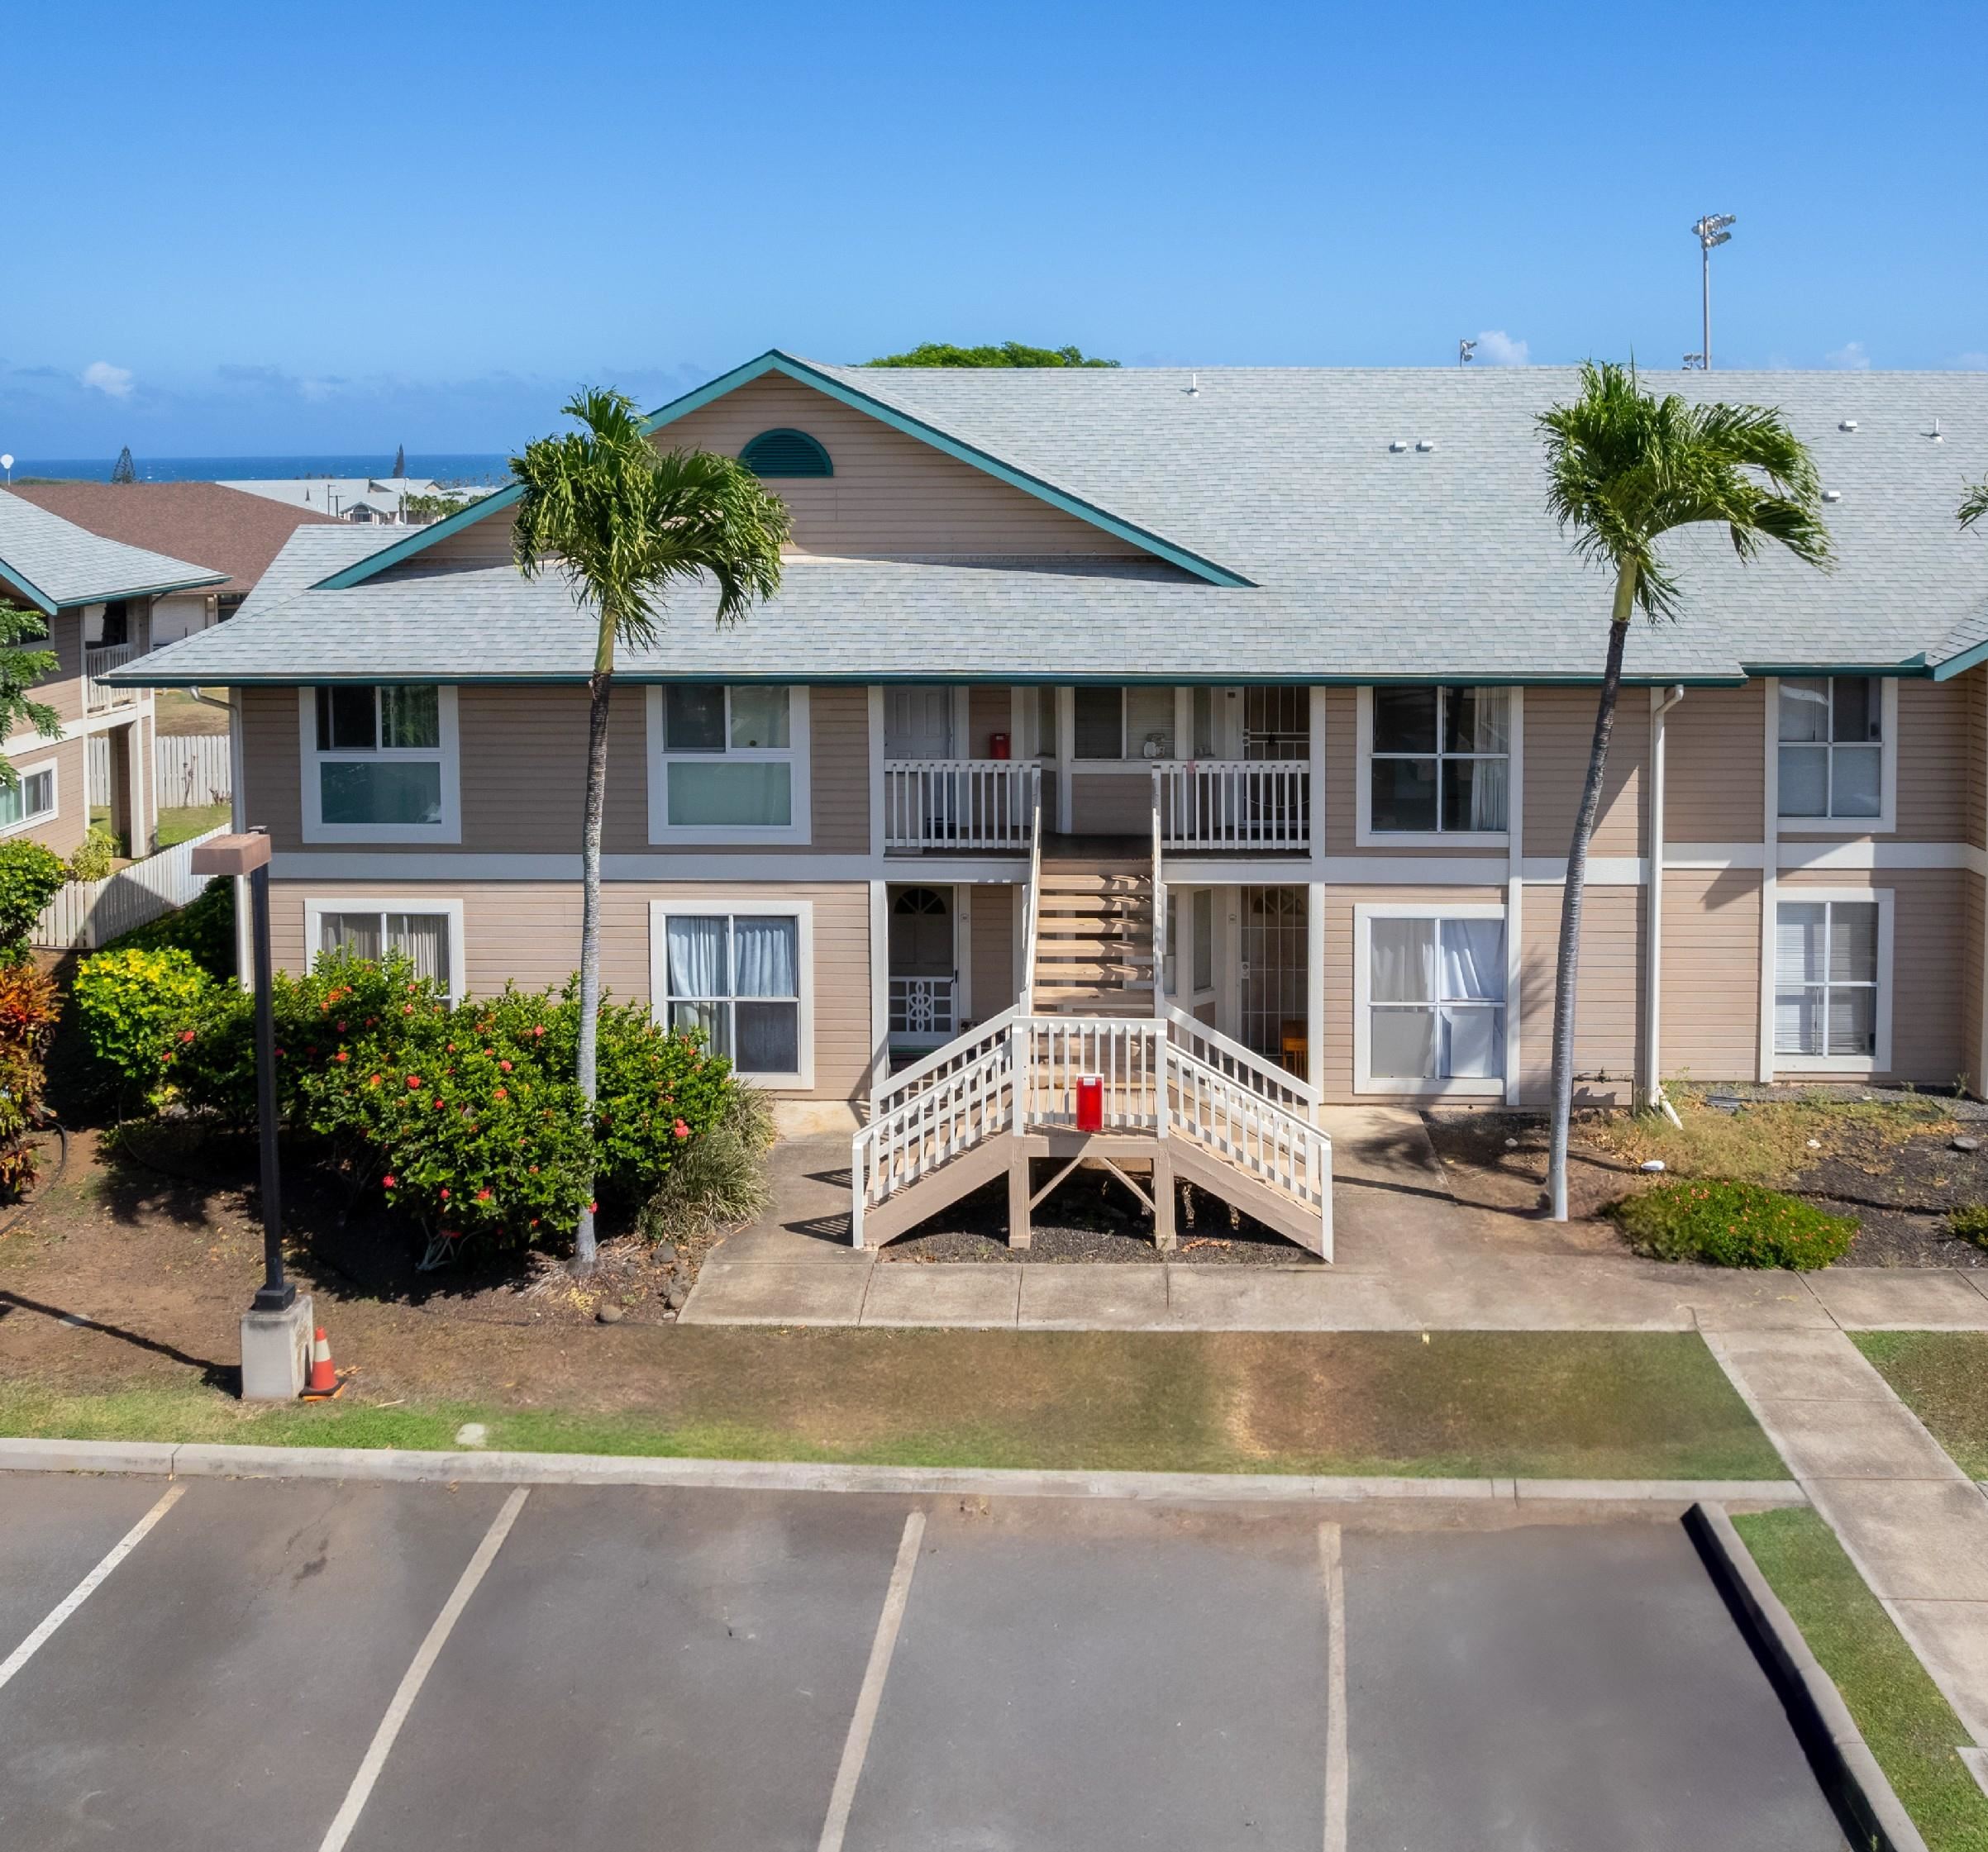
<point x="63" y="831"/>
<point x="483" y="543"/>
<point x="1972" y="926"/>
<point x="63" y="691"/>
<point x="1933" y="760"/>
<point x="528" y="933"/>
<point x="1112" y="804"/>
<point x="992" y="910"/>
<point x="1715" y="765"/>
<point x="1974" y="772"/>
<point x="1607" y="1007"/>
<point x="1559" y="735"/>
<point x="890" y="493"/>
<point x="1931" y="1035"/>
<point x="990" y="710"/>
<point x="1711" y="974"/>
<point x="524" y="767"/>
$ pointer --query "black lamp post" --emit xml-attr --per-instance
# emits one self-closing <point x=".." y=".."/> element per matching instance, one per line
<point x="248" y="855"/>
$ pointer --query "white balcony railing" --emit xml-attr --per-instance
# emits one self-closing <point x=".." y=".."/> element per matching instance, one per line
<point x="924" y="1008"/>
<point x="1234" y="803"/>
<point x="958" y="804"/>
<point x="97" y="660"/>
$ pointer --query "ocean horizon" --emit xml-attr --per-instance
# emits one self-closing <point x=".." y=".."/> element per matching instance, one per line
<point x="454" y="467"/>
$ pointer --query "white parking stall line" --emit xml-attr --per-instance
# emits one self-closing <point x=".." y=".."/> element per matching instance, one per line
<point x="857" y="1747"/>
<point x="89" y="1584"/>
<point x="1332" y="1568"/>
<point x="382" y="1745"/>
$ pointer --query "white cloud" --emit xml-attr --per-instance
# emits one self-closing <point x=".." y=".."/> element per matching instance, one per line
<point x="1851" y="355"/>
<point x="1496" y="348"/>
<point x="113" y="382"/>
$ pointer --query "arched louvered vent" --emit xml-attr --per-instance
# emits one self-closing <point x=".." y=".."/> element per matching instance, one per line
<point x="786" y="453"/>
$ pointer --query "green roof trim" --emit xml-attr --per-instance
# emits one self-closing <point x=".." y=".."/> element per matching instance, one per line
<point x="800" y="371"/>
<point x="1968" y="658"/>
<point x="43" y="602"/>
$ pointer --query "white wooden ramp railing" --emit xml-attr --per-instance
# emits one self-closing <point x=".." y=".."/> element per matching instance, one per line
<point x="1169" y="1078"/>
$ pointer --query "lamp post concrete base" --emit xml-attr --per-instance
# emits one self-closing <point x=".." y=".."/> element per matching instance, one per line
<point x="276" y="1352"/>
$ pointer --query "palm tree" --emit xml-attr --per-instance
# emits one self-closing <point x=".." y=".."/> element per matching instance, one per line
<point x="623" y="521"/>
<point x="1624" y="468"/>
<point x="1975" y="504"/>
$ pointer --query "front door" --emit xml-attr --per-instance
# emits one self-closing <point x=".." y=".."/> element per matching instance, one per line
<point x="1272" y="991"/>
<point x="924" y="978"/>
<point x="917" y="722"/>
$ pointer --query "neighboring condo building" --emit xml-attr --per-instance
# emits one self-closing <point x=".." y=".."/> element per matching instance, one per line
<point x="98" y="597"/>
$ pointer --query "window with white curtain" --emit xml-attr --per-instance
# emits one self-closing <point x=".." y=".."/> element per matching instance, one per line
<point x="1826" y="979"/>
<point x="30" y="798"/>
<point x="379" y="763"/>
<point x="1831" y="739"/>
<point x="728" y="763"/>
<point x="1439" y="760"/>
<point x="1434" y="999"/>
<point x="428" y="935"/>
<point x="739" y="976"/>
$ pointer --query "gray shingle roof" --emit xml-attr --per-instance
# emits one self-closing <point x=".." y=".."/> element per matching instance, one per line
<point x="1367" y="562"/>
<point x="55" y="562"/>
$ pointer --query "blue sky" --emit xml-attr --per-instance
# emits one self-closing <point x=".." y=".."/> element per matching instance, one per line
<point x="257" y="229"/>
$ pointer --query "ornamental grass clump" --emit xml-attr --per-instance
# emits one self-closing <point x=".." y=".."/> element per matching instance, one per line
<point x="1726" y="1224"/>
<point x="1970" y="1222"/>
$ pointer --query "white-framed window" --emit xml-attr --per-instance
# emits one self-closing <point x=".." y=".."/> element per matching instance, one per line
<point x="1438" y="763"/>
<point x="728" y="763"/>
<point x="1124" y="723"/>
<point x="1835" y="751"/>
<point x="1832" y="980"/>
<point x="1429" y="999"/>
<point x="30" y="799"/>
<point x="380" y="763"/>
<point x="429" y="933"/>
<point x="742" y="969"/>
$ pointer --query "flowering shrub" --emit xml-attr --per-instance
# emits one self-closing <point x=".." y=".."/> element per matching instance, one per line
<point x="1731" y="1225"/>
<point x="467" y="1116"/>
<point x="131" y="1003"/>
<point x="28" y="1010"/>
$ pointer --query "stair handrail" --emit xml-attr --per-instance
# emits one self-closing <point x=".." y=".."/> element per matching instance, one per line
<point x="1025" y="1005"/>
<point x="965" y="1047"/>
<point x="1159" y="910"/>
<point x="1185" y="1029"/>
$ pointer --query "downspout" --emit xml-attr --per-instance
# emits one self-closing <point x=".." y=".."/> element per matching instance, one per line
<point x="1660" y="704"/>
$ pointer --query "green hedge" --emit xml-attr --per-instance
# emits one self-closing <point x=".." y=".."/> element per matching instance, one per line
<point x="204" y="929"/>
<point x="1731" y="1225"/>
<point x="464" y="1117"/>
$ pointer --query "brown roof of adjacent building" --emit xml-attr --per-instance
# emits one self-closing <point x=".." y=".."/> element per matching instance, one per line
<point x="216" y="527"/>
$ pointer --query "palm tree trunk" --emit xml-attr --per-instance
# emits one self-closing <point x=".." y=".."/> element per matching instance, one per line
<point x="599" y="685"/>
<point x="1570" y="907"/>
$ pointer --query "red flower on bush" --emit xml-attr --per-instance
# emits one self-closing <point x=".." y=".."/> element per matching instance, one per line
<point x="444" y="1194"/>
<point x="539" y="1029"/>
<point x="186" y="1034"/>
<point x="414" y="1080"/>
<point x="680" y="1129"/>
<point x="505" y="1065"/>
<point x="483" y="1196"/>
<point x="386" y="1182"/>
<point x="343" y="1056"/>
<point x="501" y="1094"/>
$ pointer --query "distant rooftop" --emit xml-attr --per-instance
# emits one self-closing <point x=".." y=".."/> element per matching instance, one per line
<point x="53" y="563"/>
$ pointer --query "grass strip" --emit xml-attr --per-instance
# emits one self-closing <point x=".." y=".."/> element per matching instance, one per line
<point x="1471" y="1404"/>
<point x="1943" y="1378"/>
<point x="1908" y="1726"/>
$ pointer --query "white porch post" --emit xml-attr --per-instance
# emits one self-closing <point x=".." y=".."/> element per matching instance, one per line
<point x="1066" y="756"/>
<point x="1317" y="781"/>
<point x="1314" y="986"/>
<point x="880" y="983"/>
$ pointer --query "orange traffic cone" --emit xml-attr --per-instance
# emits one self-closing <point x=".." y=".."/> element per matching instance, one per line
<point x="323" y="1383"/>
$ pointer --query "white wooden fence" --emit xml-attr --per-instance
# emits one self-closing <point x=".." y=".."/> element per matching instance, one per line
<point x="86" y="914"/>
<point x="190" y="769"/>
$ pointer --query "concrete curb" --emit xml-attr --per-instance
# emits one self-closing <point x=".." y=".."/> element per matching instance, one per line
<point x="1849" y="1771"/>
<point x="201" y="1461"/>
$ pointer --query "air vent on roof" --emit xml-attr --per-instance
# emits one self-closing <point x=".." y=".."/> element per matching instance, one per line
<point x="1425" y="444"/>
<point x="1399" y="445"/>
<point x="786" y="453"/>
<point x="1833" y="495"/>
<point x="1849" y="424"/>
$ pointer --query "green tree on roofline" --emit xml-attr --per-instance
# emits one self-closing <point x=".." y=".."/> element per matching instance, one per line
<point x="1008" y="353"/>
<point x="124" y="471"/>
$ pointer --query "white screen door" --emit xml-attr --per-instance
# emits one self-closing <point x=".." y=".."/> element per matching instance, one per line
<point x="917" y="722"/>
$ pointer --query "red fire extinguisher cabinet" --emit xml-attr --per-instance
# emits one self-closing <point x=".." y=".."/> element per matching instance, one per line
<point x="1090" y="1102"/>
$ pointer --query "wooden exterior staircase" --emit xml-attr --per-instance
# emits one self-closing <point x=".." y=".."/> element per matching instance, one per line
<point x="1179" y="1100"/>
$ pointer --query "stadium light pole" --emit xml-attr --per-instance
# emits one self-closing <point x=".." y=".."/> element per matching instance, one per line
<point x="1712" y="231"/>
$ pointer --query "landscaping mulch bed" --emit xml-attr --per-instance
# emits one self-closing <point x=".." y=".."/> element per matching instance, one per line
<point x="1900" y="1194"/>
<point x="1092" y="1217"/>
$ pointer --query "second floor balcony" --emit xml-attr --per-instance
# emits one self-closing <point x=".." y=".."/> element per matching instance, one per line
<point x="99" y="659"/>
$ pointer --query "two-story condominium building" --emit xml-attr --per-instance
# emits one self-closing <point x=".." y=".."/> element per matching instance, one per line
<point x="96" y="596"/>
<point x="1273" y="688"/>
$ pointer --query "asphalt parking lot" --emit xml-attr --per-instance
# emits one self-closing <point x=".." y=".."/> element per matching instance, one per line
<point x="383" y="1666"/>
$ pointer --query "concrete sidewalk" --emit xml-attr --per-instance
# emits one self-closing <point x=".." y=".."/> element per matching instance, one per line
<point x="1407" y="1257"/>
<point x="1915" y="1525"/>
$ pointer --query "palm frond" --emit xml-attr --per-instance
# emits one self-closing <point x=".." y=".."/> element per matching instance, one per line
<point x="1625" y="467"/>
<point x="623" y="522"/>
<point x="1974" y="505"/>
